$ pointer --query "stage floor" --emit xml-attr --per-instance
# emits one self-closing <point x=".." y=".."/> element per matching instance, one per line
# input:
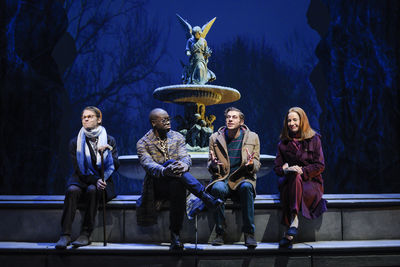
<point x="323" y="253"/>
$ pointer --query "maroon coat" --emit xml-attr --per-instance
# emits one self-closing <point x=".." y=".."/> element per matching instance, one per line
<point x="301" y="192"/>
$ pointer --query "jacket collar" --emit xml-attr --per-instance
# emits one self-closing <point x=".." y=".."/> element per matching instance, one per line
<point x="221" y="136"/>
<point x="153" y="138"/>
<point x="244" y="128"/>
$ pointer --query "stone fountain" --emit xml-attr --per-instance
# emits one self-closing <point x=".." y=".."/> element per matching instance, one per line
<point x="195" y="94"/>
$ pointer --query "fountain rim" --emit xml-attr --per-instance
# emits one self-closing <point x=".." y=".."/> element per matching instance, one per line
<point x="196" y="86"/>
<point x="222" y="90"/>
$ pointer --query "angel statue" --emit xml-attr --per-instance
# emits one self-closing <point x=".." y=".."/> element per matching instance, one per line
<point x="197" y="50"/>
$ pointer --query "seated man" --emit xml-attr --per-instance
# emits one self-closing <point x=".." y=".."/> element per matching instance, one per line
<point x="85" y="183"/>
<point x="162" y="153"/>
<point x="234" y="153"/>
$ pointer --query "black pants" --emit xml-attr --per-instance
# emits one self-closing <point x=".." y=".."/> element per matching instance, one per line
<point x="174" y="189"/>
<point x="74" y="196"/>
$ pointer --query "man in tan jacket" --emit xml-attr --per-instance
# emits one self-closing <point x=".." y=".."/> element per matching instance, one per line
<point x="234" y="159"/>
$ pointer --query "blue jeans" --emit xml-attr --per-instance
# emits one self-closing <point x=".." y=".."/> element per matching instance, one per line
<point x="174" y="189"/>
<point x="245" y="192"/>
<point x="189" y="181"/>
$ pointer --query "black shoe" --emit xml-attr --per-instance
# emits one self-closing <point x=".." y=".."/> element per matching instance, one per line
<point x="285" y="243"/>
<point x="292" y="231"/>
<point x="218" y="241"/>
<point x="63" y="242"/>
<point x="175" y="242"/>
<point x="249" y="240"/>
<point x="210" y="201"/>
<point x="82" y="240"/>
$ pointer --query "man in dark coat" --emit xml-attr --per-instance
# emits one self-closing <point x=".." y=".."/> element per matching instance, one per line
<point x="86" y="184"/>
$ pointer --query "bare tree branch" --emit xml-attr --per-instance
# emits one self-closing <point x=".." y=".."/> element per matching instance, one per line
<point x="117" y="47"/>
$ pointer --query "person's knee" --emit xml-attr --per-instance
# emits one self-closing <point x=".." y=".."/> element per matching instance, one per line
<point x="294" y="178"/>
<point x="91" y="189"/>
<point x="219" y="189"/>
<point x="73" y="190"/>
<point x="246" y="187"/>
<point x="246" y="191"/>
<point x="298" y="178"/>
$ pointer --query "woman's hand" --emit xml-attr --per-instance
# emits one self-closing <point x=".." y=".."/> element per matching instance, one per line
<point x="297" y="169"/>
<point x="285" y="166"/>
<point x="294" y="168"/>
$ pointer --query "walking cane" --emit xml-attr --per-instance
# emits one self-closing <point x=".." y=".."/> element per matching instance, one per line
<point x="104" y="200"/>
<point x="196" y="240"/>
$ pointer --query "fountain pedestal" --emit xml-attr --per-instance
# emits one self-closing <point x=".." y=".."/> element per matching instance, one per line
<point x="196" y="126"/>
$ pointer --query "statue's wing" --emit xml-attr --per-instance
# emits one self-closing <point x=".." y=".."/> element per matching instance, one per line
<point x="186" y="26"/>
<point x="206" y="27"/>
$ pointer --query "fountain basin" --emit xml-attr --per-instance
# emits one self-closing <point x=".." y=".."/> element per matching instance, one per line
<point x="196" y="93"/>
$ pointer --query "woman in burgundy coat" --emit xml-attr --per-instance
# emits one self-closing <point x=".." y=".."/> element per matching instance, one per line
<point x="300" y="162"/>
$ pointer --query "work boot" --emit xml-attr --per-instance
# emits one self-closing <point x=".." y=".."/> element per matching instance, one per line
<point x="175" y="242"/>
<point x="218" y="240"/>
<point x="82" y="240"/>
<point x="249" y="240"/>
<point x="210" y="201"/>
<point x="63" y="242"/>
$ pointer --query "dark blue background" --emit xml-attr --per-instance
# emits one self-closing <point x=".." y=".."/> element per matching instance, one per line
<point x="338" y="60"/>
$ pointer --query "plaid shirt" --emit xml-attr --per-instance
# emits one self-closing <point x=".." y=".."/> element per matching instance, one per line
<point x="152" y="156"/>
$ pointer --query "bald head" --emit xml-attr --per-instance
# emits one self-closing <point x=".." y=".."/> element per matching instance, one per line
<point x="159" y="120"/>
<point x="156" y="113"/>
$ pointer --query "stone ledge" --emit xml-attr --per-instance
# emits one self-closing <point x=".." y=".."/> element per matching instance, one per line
<point x="349" y="217"/>
<point x="238" y="247"/>
<point x="262" y="201"/>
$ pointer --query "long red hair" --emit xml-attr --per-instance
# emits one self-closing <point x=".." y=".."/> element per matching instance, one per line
<point x="305" y="130"/>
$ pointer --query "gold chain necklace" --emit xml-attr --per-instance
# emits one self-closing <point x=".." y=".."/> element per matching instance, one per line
<point x="164" y="146"/>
